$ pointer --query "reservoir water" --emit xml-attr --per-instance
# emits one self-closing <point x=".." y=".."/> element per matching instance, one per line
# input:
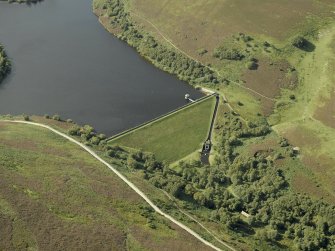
<point x="66" y="63"/>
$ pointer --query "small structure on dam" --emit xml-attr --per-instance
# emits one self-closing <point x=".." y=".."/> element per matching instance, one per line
<point x="207" y="146"/>
<point x="187" y="97"/>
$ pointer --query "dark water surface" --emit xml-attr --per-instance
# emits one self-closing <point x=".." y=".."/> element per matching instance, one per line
<point x="65" y="62"/>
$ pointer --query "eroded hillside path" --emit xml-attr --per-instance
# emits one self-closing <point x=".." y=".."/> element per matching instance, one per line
<point x="129" y="183"/>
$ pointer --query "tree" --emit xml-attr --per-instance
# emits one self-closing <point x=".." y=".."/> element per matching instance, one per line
<point x="251" y="65"/>
<point x="131" y="163"/>
<point x="56" y="117"/>
<point x="299" y="42"/>
<point x="26" y="117"/>
<point x="95" y="140"/>
<point x="74" y="131"/>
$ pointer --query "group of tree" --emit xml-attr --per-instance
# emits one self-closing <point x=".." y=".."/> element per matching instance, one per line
<point x="88" y="135"/>
<point x="236" y="183"/>
<point x="5" y="65"/>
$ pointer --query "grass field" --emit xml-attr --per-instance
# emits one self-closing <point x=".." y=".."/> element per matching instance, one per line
<point x="175" y="136"/>
<point x="53" y="195"/>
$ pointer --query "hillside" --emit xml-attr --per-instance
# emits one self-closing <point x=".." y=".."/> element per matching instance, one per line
<point x="56" y="196"/>
<point x="270" y="182"/>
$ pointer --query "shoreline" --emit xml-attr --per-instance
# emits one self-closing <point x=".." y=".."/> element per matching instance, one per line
<point x="160" y="55"/>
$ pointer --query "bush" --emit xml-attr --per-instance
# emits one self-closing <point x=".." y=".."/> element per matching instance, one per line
<point x="251" y="65"/>
<point x="95" y="140"/>
<point x="26" y="117"/>
<point x="299" y="42"/>
<point x="202" y="51"/>
<point x="131" y="163"/>
<point x="74" y="131"/>
<point x="228" y="53"/>
<point x="56" y="117"/>
<point x="101" y="136"/>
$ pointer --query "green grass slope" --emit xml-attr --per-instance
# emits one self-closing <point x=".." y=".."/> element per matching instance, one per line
<point x="175" y="136"/>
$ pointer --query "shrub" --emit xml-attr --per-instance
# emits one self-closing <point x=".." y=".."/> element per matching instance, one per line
<point x="74" y="131"/>
<point x="56" y="117"/>
<point x="95" y="140"/>
<point x="202" y="51"/>
<point x="26" y="117"/>
<point x="299" y="42"/>
<point x="228" y="53"/>
<point x="251" y="65"/>
<point x="101" y="136"/>
<point x="131" y="163"/>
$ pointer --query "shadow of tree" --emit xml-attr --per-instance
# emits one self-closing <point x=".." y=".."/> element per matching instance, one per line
<point x="308" y="46"/>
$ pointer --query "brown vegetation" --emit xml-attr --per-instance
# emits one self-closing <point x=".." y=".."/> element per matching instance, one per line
<point x="268" y="80"/>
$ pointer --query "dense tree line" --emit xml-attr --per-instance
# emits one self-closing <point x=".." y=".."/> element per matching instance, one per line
<point x="5" y="65"/>
<point x="160" y="55"/>
<point x="87" y="134"/>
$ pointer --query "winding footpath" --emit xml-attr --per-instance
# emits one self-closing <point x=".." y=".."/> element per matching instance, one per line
<point x="129" y="183"/>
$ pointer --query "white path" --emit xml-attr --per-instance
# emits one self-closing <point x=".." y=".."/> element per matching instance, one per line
<point x="129" y="183"/>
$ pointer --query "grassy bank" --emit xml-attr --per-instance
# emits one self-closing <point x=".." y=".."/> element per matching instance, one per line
<point x="55" y="195"/>
<point x="175" y="136"/>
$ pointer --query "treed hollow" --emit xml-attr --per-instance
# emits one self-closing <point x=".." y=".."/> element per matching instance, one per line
<point x="5" y="65"/>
